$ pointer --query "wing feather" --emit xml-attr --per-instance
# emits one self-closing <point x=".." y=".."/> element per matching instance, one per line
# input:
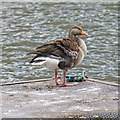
<point x="65" y="48"/>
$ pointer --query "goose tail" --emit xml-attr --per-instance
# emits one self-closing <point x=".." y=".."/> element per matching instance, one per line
<point x="46" y="62"/>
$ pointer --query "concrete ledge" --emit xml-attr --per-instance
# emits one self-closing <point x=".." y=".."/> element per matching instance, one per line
<point x="45" y="100"/>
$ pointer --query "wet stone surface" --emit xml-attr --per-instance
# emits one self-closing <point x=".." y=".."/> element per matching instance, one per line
<point x="45" y="100"/>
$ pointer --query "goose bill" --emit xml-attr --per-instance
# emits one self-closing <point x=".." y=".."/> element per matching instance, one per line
<point x="84" y="33"/>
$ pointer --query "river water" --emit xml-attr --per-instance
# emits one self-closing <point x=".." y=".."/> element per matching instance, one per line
<point x="27" y="25"/>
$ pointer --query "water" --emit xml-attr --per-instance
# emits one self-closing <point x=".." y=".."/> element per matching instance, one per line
<point x="26" y="26"/>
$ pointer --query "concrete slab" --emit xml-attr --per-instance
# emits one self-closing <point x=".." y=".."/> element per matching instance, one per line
<point x="45" y="100"/>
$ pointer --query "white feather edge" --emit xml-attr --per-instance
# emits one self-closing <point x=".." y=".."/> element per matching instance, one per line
<point x="50" y="63"/>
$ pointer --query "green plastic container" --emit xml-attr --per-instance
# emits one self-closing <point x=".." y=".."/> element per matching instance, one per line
<point x="75" y="78"/>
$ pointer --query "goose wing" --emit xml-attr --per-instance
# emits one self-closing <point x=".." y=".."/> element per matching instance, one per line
<point x="66" y="48"/>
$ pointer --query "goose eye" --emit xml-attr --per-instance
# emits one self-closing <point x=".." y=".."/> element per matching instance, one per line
<point x="80" y="29"/>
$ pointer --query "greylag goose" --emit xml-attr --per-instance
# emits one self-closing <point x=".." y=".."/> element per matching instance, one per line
<point x="61" y="54"/>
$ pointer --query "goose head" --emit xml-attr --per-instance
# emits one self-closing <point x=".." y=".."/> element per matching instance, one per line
<point x="76" y="30"/>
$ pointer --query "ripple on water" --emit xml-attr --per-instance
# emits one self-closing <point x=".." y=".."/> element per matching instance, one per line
<point x="28" y="25"/>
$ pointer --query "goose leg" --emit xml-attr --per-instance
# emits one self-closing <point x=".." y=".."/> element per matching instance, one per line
<point x="56" y="77"/>
<point x="64" y="80"/>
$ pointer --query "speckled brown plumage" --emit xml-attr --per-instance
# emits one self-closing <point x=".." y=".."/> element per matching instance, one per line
<point x="69" y="51"/>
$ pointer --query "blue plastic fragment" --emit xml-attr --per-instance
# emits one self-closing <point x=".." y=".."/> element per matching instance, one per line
<point x="75" y="78"/>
